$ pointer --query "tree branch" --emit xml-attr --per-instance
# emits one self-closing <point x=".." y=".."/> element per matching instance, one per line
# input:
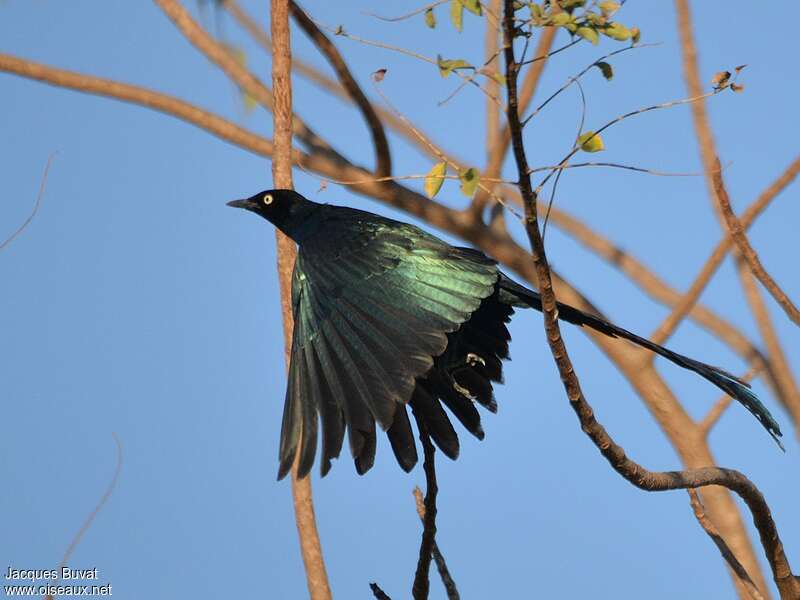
<point x="724" y="550"/>
<point x="310" y="546"/>
<point x="36" y="205"/>
<point x="383" y="160"/>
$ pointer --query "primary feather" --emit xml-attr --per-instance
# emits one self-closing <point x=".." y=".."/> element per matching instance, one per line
<point x="389" y="316"/>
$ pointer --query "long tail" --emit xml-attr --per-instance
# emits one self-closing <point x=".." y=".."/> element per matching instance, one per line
<point x="518" y="295"/>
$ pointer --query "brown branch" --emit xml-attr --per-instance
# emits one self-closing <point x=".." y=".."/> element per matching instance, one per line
<point x="383" y="160"/>
<point x="748" y="253"/>
<point x="724" y="550"/>
<point x="36" y="205"/>
<point x="642" y="478"/>
<point x="441" y="564"/>
<point x="421" y="585"/>
<point x="668" y="326"/>
<point x="310" y="546"/>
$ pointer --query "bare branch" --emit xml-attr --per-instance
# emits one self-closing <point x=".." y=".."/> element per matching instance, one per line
<point x="378" y="592"/>
<point x="310" y="546"/>
<point x="36" y="204"/>
<point x="730" y="558"/>
<point x="383" y="160"/>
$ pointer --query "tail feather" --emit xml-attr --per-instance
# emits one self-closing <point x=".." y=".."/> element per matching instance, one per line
<point x="518" y="295"/>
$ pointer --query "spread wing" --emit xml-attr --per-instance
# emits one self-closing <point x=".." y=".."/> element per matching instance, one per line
<point x="373" y="302"/>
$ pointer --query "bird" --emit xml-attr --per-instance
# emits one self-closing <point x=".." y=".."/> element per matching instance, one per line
<point x="388" y="317"/>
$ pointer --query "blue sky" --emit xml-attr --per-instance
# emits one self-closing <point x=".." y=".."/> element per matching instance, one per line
<point x="137" y="303"/>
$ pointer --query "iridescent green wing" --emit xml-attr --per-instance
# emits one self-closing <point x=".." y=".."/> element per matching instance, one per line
<point x="373" y="300"/>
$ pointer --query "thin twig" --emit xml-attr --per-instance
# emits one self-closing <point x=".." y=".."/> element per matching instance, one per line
<point x="341" y="32"/>
<point x="407" y="15"/>
<point x="421" y="579"/>
<point x="724" y="550"/>
<point x="36" y="204"/>
<point x="95" y="511"/>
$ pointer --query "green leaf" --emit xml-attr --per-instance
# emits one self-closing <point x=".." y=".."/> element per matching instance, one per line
<point x="605" y="69"/>
<point x="608" y="8"/>
<point x="430" y="18"/>
<point x="447" y="66"/>
<point x="473" y="6"/>
<point x="589" y="34"/>
<point x="457" y="14"/>
<point x="435" y="178"/>
<point x="469" y="181"/>
<point x="536" y="13"/>
<point x="591" y="142"/>
<point x="618" y="31"/>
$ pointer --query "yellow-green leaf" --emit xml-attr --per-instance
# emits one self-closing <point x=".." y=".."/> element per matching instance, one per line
<point x="447" y="66"/>
<point x="618" y="31"/>
<point x="473" y="6"/>
<point x="435" y="178"/>
<point x="605" y="69"/>
<point x="430" y="18"/>
<point x="608" y="8"/>
<point x="591" y="142"/>
<point x="469" y="181"/>
<point x="560" y="19"/>
<point x="457" y="14"/>
<point x="589" y="34"/>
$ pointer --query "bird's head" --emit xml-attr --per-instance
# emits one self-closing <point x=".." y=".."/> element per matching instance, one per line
<point x="286" y="209"/>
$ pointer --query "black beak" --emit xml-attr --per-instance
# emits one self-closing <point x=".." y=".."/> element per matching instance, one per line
<point x="246" y="204"/>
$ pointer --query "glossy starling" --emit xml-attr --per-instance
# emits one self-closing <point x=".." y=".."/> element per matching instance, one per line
<point x="388" y="316"/>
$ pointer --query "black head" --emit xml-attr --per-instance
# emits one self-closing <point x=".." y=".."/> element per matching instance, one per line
<point x="286" y="209"/>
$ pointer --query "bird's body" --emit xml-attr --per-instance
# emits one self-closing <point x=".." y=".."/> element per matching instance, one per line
<point x="389" y="316"/>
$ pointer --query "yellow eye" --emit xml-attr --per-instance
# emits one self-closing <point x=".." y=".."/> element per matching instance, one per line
<point x="267" y="199"/>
